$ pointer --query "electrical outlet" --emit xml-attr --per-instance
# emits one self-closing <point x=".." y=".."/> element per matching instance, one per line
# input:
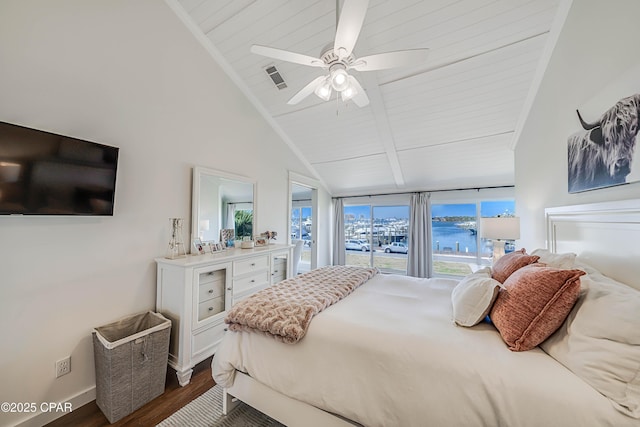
<point x="63" y="366"/>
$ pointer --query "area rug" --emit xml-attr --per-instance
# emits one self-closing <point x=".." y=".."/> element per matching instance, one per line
<point x="206" y="411"/>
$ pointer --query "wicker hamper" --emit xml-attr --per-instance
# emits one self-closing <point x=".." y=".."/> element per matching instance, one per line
<point x="131" y="363"/>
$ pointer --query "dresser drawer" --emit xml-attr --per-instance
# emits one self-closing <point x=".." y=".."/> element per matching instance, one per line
<point x="250" y="265"/>
<point x="211" y="276"/>
<point x="209" y="290"/>
<point x="207" y="339"/>
<point x="279" y="266"/>
<point x="210" y="308"/>
<point x="278" y="276"/>
<point x="242" y="295"/>
<point x="246" y="283"/>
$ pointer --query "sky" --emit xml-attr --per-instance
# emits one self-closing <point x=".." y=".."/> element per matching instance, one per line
<point x="488" y="209"/>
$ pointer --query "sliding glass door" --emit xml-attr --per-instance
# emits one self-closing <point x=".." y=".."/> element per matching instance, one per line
<point x="390" y="238"/>
<point x="376" y="235"/>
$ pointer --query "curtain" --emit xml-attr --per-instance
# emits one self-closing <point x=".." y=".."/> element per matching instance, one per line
<point x="231" y="216"/>
<point x="419" y="255"/>
<point x="339" y="257"/>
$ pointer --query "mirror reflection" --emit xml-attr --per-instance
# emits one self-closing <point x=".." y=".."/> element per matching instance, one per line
<point x="221" y="201"/>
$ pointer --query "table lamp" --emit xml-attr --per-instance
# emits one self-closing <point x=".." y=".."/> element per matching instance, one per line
<point x="499" y="229"/>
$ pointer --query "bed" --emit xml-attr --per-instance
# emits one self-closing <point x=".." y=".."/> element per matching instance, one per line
<point x="390" y="353"/>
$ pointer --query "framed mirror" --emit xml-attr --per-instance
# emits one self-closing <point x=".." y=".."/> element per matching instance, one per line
<point x="221" y="201"/>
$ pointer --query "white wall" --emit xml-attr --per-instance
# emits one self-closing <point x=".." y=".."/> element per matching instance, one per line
<point x="595" y="63"/>
<point x="129" y="74"/>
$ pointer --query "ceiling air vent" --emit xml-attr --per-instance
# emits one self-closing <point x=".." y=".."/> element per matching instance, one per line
<point x="277" y="79"/>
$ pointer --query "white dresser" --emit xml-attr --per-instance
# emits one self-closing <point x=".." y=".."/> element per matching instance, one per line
<point x="195" y="293"/>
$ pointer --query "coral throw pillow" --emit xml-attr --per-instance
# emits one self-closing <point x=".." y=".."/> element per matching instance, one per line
<point x="509" y="263"/>
<point x="534" y="303"/>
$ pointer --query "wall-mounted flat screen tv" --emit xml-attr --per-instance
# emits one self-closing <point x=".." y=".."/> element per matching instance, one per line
<point x="42" y="173"/>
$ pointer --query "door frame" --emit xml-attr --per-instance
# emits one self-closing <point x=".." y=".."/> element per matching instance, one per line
<point x="312" y="184"/>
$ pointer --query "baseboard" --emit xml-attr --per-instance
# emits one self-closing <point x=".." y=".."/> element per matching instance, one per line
<point x="42" y="418"/>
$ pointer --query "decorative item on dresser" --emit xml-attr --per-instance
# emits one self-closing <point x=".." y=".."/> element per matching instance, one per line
<point x="269" y="236"/>
<point x="196" y="291"/>
<point x="176" y="247"/>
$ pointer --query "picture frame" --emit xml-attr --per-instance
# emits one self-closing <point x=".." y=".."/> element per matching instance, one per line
<point x="227" y="235"/>
<point x="261" y="241"/>
<point x="197" y="246"/>
<point x="600" y="154"/>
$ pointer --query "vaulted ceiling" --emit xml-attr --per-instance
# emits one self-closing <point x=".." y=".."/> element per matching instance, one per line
<point x="446" y="123"/>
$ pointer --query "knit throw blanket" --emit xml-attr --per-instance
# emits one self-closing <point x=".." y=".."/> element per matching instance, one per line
<point x="284" y="311"/>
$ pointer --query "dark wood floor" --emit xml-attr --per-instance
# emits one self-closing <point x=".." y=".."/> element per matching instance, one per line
<point x="174" y="398"/>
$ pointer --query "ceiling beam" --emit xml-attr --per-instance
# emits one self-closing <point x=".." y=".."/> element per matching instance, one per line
<point x="370" y="83"/>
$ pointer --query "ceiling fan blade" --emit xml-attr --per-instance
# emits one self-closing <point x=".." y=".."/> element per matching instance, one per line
<point x="383" y="61"/>
<point x="349" y="26"/>
<point x="285" y="55"/>
<point x="360" y="98"/>
<point x="307" y="90"/>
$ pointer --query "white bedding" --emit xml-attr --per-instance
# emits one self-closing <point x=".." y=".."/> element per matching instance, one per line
<point x="390" y="355"/>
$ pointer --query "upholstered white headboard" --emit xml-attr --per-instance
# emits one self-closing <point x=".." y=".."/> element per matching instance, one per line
<point x="604" y="235"/>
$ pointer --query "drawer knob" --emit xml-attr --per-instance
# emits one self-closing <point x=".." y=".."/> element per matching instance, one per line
<point x="253" y="280"/>
<point x="210" y="308"/>
<point x="210" y="291"/>
<point x="253" y="264"/>
<point x="228" y="289"/>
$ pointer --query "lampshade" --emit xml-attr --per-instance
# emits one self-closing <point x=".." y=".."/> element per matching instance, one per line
<point x="505" y="228"/>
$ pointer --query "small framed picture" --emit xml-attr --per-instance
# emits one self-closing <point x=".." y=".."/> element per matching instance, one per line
<point x="218" y="246"/>
<point x="197" y="247"/>
<point x="261" y="241"/>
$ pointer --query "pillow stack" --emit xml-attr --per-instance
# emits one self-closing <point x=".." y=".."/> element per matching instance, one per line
<point x="527" y="300"/>
<point x="600" y="341"/>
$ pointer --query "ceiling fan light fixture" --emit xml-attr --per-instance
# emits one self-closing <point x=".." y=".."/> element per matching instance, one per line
<point x="323" y="91"/>
<point x="339" y="78"/>
<point x="348" y="93"/>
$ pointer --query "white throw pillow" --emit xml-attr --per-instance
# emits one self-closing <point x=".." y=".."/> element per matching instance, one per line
<point x="600" y="341"/>
<point x="473" y="297"/>
<point x="564" y="260"/>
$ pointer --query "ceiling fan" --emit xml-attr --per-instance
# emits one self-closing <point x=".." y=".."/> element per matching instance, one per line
<point x="338" y="58"/>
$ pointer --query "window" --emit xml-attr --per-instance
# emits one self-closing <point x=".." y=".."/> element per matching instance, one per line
<point x="456" y="246"/>
<point x="377" y="232"/>
<point x="376" y="235"/>
<point x="454" y="242"/>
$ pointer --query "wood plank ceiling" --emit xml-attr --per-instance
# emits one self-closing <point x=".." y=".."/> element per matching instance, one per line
<point x="447" y="123"/>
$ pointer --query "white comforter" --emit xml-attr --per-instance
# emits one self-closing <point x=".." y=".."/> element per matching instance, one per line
<point x="390" y="355"/>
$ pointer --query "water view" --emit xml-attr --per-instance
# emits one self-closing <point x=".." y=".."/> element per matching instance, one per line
<point x="379" y="242"/>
